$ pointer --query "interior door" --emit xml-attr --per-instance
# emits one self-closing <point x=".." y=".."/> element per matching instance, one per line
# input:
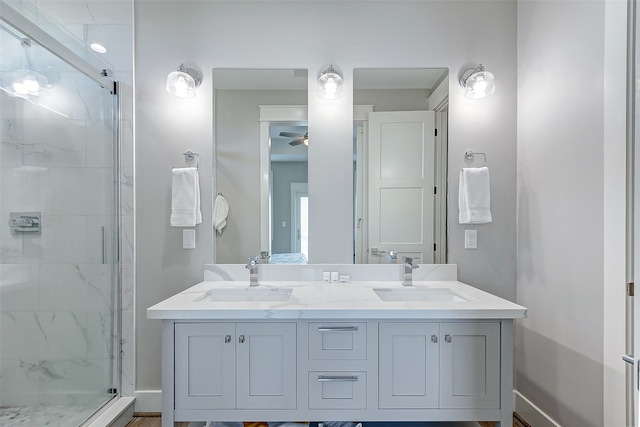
<point x="401" y="159"/>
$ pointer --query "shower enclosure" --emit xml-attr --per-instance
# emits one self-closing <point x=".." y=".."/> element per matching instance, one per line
<point x="59" y="219"/>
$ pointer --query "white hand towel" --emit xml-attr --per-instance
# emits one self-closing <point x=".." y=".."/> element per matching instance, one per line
<point x="220" y="212"/>
<point x="474" y="196"/>
<point x="185" y="197"/>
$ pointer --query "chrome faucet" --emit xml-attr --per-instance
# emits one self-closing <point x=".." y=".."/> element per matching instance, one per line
<point x="264" y="257"/>
<point x="252" y="266"/>
<point x="407" y="265"/>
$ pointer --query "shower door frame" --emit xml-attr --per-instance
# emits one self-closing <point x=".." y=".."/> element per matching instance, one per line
<point x="102" y="77"/>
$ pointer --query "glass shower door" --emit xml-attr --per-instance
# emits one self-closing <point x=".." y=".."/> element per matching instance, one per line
<point x="58" y="238"/>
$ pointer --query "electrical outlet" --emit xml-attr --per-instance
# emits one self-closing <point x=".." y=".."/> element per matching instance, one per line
<point x="471" y="239"/>
<point x="188" y="239"/>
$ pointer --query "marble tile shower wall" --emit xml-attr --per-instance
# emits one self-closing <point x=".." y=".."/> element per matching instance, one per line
<point x="127" y="232"/>
<point x="56" y="295"/>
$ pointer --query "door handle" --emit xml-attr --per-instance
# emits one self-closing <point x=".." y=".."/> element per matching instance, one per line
<point x="241" y="339"/>
<point x="376" y="251"/>
<point x="632" y="361"/>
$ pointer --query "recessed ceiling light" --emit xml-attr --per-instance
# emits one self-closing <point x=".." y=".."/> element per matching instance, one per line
<point x="98" y="48"/>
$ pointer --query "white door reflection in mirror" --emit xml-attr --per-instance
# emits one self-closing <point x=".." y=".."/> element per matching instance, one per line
<point x="400" y="165"/>
<point x="401" y="182"/>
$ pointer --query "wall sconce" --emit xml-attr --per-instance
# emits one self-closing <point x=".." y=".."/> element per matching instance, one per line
<point x="477" y="82"/>
<point x="330" y="84"/>
<point x="183" y="82"/>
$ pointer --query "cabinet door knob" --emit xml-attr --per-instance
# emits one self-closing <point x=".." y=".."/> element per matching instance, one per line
<point x="447" y="338"/>
<point x="434" y="338"/>
<point x="241" y="339"/>
<point x="227" y="338"/>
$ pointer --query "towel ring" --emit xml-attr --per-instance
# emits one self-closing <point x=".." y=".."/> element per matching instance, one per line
<point x="470" y="155"/>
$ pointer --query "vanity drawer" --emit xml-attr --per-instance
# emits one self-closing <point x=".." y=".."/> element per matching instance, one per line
<point x="337" y="390"/>
<point x="337" y="340"/>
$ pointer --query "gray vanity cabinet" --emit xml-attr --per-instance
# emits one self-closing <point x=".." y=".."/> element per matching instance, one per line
<point x="205" y="365"/>
<point x="235" y="365"/>
<point x="439" y="365"/>
<point x="408" y="365"/>
<point x="470" y="365"/>
<point x="352" y="369"/>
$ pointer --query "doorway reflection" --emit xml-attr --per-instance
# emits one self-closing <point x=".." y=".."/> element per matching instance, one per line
<point x="288" y="195"/>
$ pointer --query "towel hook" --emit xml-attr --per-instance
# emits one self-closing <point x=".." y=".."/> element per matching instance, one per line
<point x="470" y="155"/>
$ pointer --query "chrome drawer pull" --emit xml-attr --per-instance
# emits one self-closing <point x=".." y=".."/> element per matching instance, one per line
<point x="447" y="338"/>
<point x="337" y="328"/>
<point x="434" y="339"/>
<point x="337" y="378"/>
<point x="241" y="339"/>
<point x="227" y="339"/>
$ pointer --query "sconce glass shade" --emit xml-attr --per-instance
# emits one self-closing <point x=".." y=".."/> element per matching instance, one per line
<point x="330" y="84"/>
<point x="27" y="82"/>
<point x="477" y="82"/>
<point x="183" y="82"/>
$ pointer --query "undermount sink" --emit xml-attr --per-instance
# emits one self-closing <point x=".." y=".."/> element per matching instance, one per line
<point x="408" y="294"/>
<point x="247" y="294"/>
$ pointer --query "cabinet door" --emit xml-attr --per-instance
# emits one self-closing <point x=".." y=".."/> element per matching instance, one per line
<point x="266" y="366"/>
<point x="204" y="366"/>
<point x="470" y="365"/>
<point x="408" y="365"/>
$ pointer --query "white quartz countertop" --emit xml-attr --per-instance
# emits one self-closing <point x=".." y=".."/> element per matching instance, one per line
<point x="319" y="300"/>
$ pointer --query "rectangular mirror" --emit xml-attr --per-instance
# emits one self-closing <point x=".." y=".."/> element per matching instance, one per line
<point x="400" y="165"/>
<point x="260" y="163"/>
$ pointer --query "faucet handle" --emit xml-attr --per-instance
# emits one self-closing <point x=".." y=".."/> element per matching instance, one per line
<point x="253" y="261"/>
<point x="408" y="262"/>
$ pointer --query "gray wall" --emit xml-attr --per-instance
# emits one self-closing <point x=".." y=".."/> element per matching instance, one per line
<point x="570" y="193"/>
<point x="455" y="35"/>
<point x="237" y="173"/>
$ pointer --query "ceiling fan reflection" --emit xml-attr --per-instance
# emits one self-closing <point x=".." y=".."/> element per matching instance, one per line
<point x="299" y="138"/>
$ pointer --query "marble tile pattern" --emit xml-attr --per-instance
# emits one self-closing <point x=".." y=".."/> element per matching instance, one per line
<point x="57" y="300"/>
<point x="63" y="415"/>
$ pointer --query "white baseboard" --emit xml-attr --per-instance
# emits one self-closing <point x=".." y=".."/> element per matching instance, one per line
<point x="148" y="400"/>
<point x="531" y="413"/>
